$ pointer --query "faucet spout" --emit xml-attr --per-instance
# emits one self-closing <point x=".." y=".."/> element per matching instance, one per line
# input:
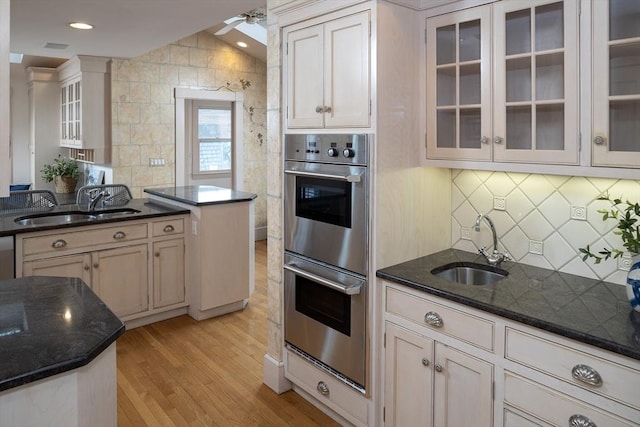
<point x="496" y="257"/>
<point x="96" y="199"/>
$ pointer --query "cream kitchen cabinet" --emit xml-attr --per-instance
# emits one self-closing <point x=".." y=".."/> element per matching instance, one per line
<point x="428" y="382"/>
<point x="136" y="267"/>
<point x="327" y="73"/>
<point x="85" y="107"/>
<point x="501" y="83"/>
<point x="615" y="126"/>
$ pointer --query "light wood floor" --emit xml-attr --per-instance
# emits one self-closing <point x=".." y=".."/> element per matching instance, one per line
<point x="186" y="373"/>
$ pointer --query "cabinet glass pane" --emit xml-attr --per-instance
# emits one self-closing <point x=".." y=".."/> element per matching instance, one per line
<point x="446" y="45"/>
<point x="550" y="76"/>
<point x="519" y="79"/>
<point x="446" y="129"/>
<point x="470" y="41"/>
<point x="550" y="127"/>
<point x="624" y="19"/>
<point x="446" y="86"/>
<point x="624" y="69"/>
<point x="518" y="128"/>
<point x="549" y="26"/>
<point x="518" y="32"/>
<point x="470" y="84"/>
<point x="624" y="126"/>
<point x="470" y="128"/>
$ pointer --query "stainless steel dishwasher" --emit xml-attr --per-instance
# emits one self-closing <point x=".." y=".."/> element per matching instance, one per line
<point x="7" y="261"/>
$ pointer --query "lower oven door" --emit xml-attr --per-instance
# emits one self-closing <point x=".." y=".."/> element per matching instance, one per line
<point x="325" y="315"/>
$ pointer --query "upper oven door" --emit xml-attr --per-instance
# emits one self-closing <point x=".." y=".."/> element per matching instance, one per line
<point x="325" y="213"/>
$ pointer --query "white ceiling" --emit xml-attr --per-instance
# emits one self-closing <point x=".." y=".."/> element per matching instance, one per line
<point x="122" y="28"/>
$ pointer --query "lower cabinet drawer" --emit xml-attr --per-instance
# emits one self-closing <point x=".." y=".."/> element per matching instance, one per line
<point x="339" y="397"/>
<point x="617" y="382"/>
<point x="554" y="407"/>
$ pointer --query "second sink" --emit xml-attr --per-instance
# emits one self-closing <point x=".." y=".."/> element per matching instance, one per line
<point x="470" y="273"/>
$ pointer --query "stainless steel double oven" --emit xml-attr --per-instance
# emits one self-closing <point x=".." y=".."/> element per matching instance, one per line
<point x="326" y="228"/>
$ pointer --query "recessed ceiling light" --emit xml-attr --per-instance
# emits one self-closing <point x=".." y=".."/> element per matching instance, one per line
<point x="242" y="44"/>
<point x="81" y="25"/>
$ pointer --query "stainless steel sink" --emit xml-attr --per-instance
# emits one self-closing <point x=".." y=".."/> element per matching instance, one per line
<point x="470" y="273"/>
<point x="72" y="216"/>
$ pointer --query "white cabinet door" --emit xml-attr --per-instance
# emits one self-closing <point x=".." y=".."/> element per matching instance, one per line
<point x="463" y="389"/>
<point x="459" y="85"/>
<point x="616" y="84"/>
<point x="328" y="74"/>
<point x="408" y="396"/>
<point x="63" y="266"/>
<point x="120" y="279"/>
<point x="168" y="272"/>
<point x="536" y="86"/>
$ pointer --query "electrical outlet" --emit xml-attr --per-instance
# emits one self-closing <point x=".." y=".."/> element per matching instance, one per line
<point x="499" y="203"/>
<point x="535" y="247"/>
<point x="465" y="233"/>
<point x="579" y="212"/>
<point x="194" y="228"/>
<point x="624" y="263"/>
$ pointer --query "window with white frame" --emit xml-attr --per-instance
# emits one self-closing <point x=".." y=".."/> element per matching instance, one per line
<point x="213" y="144"/>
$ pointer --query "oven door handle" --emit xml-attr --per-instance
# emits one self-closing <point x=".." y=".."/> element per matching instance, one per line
<point x="349" y="290"/>
<point x="348" y="178"/>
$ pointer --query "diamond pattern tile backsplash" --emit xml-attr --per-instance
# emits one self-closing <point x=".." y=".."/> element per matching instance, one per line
<point x="541" y="220"/>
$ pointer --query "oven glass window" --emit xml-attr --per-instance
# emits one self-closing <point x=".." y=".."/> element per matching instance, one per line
<point x="324" y="200"/>
<point x="325" y="305"/>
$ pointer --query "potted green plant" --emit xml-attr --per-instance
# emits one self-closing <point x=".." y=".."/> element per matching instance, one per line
<point x="63" y="172"/>
<point x="627" y="214"/>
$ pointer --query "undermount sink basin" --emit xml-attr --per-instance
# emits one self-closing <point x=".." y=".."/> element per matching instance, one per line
<point x="73" y="216"/>
<point x="470" y="273"/>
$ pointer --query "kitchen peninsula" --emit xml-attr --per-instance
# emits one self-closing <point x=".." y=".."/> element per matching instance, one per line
<point x="57" y="352"/>
<point x="221" y="259"/>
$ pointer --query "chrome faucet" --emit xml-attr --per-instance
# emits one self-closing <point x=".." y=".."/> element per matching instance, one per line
<point x="96" y="198"/>
<point x="496" y="257"/>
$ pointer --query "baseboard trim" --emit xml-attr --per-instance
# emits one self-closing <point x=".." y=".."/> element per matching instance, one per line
<point x="273" y="375"/>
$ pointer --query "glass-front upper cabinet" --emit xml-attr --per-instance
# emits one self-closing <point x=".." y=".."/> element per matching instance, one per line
<point x="616" y="83"/>
<point x="536" y="82"/>
<point x="459" y="85"/>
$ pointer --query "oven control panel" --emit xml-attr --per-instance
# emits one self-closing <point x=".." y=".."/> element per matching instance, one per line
<point x="352" y="149"/>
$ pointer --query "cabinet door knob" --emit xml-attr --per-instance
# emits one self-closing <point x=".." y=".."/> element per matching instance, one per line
<point x="323" y="388"/>
<point x="497" y="140"/>
<point x="96" y="265"/>
<point x="119" y="235"/>
<point x="425" y="361"/>
<point x="59" y="244"/>
<point x="438" y="367"/>
<point x="157" y="254"/>
<point x="432" y="318"/>
<point x="327" y="109"/>
<point x="580" y="421"/>
<point x="587" y="375"/>
<point x="599" y="140"/>
<point x="168" y="229"/>
<point x="86" y="267"/>
<point x="484" y="140"/>
<point x="319" y="109"/>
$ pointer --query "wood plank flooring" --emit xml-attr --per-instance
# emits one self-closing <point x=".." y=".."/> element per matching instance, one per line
<point x="180" y="372"/>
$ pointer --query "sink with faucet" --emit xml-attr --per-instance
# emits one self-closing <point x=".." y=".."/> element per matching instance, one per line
<point x="496" y="257"/>
<point x="470" y="273"/>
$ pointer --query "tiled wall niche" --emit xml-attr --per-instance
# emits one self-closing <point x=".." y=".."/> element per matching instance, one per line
<point x="540" y="220"/>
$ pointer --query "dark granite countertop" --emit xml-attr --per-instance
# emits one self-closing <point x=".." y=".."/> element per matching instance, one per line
<point x="147" y="208"/>
<point x="587" y="310"/>
<point x="50" y="325"/>
<point x="201" y="195"/>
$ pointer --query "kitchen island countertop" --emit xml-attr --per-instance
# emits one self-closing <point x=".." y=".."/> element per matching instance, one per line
<point x="50" y="325"/>
<point x="587" y="310"/>
<point x="201" y="195"/>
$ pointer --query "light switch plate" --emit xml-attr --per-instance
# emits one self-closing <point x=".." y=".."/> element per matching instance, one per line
<point x="499" y="203"/>
<point x="535" y="247"/>
<point x="579" y="212"/>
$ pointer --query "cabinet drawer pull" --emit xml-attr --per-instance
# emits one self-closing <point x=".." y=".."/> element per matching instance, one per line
<point x="580" y="421"/>
<point x="323" y="388"/>
<point x="425" y="361"/>
<point x="438" y="367"/>
<point x="598" y="140"/>
<point x="59" y="244"/>
<point x="432" y="318"/>
<point x="119" y="235"/>
<point x="587" y="375"/>
<point x="168" y="229"/>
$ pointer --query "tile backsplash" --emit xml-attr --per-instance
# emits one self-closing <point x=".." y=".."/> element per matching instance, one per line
<point x="540" y="220"/>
